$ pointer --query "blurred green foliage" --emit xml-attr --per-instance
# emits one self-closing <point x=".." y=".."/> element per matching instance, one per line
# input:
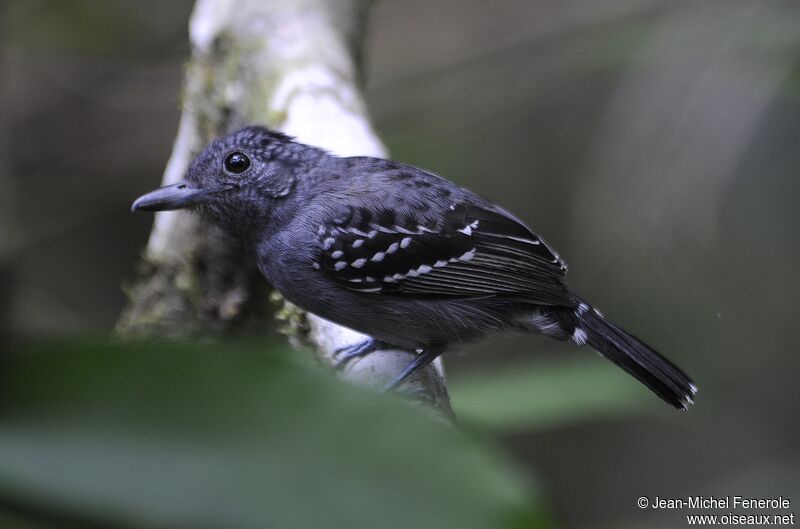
<point x="547" y="395"/>
<point x="212" y="436"/>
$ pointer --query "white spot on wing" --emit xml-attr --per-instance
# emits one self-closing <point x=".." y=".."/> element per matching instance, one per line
<point x="339" y="265"/>
<point x="467" y="256"/>
<point x="392" y="248"/>
<point x="378" y="257"/>
<point x="405" y="242"/>
<point x="467" y="230"/>
<point x="526" y="241"/>
<point x="358" y="263"/>
<point x="337" y="254"/>
<point x="357" y="243"/>
<point x="579" y="336"/>
<point x="356" y="231"/>
<point x="328" y="243"/>
<point x="518" y="239"/>
<point x="424" y="269"/>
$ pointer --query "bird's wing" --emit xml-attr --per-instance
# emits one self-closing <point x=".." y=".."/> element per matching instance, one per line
<point x="468" y="251"/>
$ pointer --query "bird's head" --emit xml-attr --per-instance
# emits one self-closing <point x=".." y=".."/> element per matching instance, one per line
<point x="238" y="179"/>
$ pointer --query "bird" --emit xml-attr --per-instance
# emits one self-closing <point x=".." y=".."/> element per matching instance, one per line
<point x="397" y="253"/>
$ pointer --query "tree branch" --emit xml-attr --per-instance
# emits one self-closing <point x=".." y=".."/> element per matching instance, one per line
<point x="290" y="65"/>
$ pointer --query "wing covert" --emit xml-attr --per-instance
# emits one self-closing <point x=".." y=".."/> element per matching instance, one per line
<point x="468" y="251"/>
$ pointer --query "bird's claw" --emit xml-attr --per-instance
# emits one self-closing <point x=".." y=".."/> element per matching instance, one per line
<point x="343" y="355"/>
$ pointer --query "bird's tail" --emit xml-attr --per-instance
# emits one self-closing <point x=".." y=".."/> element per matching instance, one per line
<point x="663" y="377"/>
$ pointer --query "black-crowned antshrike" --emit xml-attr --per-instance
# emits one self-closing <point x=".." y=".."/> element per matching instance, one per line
<point x="397" y="253"/>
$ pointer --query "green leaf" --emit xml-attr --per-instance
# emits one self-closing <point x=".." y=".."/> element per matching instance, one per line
<point x="546" y="395"/>
<point x="179" y="435"/>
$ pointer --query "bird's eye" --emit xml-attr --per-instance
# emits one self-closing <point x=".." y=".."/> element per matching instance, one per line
<point x="237" y="163"/>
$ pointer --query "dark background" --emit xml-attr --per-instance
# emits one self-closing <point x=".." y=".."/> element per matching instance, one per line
<point x="654" y="144"/>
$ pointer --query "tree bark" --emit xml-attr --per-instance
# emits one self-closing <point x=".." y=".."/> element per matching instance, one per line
<point x="292" y="66"/>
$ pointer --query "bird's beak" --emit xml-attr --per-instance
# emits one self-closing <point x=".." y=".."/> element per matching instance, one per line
<point x="176" y="196"/>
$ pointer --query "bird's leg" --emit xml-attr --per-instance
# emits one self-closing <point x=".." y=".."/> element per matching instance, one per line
<point x="344" y="354"/>
<point x="425" y="357"/>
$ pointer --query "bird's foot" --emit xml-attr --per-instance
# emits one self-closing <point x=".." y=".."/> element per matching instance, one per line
<point x="343" y="355"/>
<point x="425" y="357"/>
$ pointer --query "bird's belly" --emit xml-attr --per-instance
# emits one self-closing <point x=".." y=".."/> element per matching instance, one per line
<point x="399" y="320"/>
<point x="405" y="322"/>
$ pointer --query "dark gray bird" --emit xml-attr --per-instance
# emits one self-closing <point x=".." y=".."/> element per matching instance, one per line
<point x="397" y="253"/>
